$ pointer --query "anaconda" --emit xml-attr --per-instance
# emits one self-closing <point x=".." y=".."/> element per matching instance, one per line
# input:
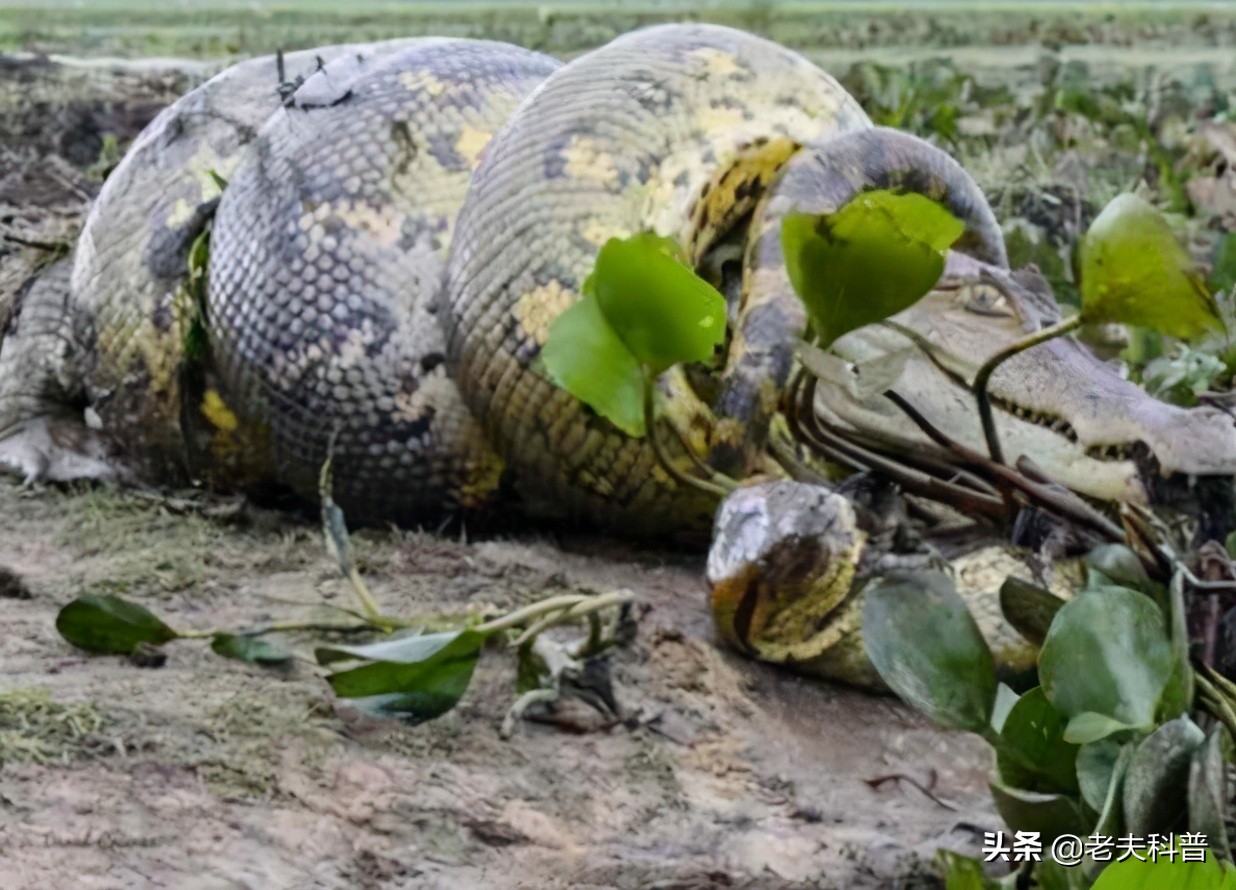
<point x="412" y="219"/>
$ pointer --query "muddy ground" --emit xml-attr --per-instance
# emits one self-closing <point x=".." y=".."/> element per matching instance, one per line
<point x="205" y="773"/>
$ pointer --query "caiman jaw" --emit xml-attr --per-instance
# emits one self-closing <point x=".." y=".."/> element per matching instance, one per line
<point x="1058" y="404"/>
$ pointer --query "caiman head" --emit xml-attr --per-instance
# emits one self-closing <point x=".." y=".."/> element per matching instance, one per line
<point x="1058" y="404"/>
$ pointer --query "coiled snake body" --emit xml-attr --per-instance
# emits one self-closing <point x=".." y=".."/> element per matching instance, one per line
<point x="345" y="301"/>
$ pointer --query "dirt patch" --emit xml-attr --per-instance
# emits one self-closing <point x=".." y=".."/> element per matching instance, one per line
<point x="212" y="773"/>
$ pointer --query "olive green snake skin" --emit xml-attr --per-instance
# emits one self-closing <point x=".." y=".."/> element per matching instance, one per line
<point x="390" y="238"/>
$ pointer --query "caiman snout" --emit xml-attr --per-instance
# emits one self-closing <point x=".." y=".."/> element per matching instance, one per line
<point x="1072" y="413"/>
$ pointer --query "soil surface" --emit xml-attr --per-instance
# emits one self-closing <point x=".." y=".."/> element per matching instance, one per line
<point x="212" y="773"/>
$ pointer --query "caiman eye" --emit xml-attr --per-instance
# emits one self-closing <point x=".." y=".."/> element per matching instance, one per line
<point x="983" y="299"/>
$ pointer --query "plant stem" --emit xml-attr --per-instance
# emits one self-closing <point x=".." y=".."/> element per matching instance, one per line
<point x="717" y="489"/>
<point x="983" y="376"/>
<point x="277" y="627"/>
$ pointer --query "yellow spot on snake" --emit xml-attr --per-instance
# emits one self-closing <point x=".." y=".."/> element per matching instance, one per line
<point x="471" y="142"/>
<point x="586" y="161"/>
<point x="383" y="224"/>
<point x="537" y="309"/>
<point x="219" y="414"/>
<point x="181" y="213"/>
<point x="720" y="118"/>
<point x="718" y="61"/>
<point x="598" y="232"/>
<point x="423" y="80"/>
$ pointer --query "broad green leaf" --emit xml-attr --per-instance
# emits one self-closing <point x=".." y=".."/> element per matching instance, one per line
<point x="250" y="648"/>
<point x="962" y="872"/>
<point x="1028" y="608"/>
<point x="1134" y="271"/>
<point x="1223" y="274"/>
<point x="417" y="678"/>
<point x="584" y="356"/>
<point x="925" y="645"/>
<point x="1116" y="566"/>
<point x="1051" y="815"/>
<point x="1105" y="663"/>
<point x="1164" y="874"/>
<point x="415" y="647"/>
<point x="1032" y="754"/>
<point x="1110" y="821"/>
<point x="1208" y="793"/>
<point x="1005" y="699"/>
<point x="106" y="623"/>
<point x="660" y="309"/>
<point x="877" y="255"/>
<point x="1177" y="696"/>
<point x="1156" y="786"/>
<point x="1096" y="765"/>
<point x="1051" y="875"/>
<point x="433" y="693"/>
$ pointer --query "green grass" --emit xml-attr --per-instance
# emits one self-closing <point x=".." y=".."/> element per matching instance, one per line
<point x="220" y="28"/>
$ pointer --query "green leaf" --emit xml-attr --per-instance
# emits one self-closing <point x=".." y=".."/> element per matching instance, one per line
<point x="1028" y="608"/>
<point x="1223" y="273"/>
<point x="1032" y="754"/>
<point x="1051" y="815"/>
<point x="106" y="623"/>
<point x="925" y="645"/>
<point x="1134" y="271"/>
<point x="1208" y="794"/>
<point x="416" y="678"/>
<point x="1105" y="663"/>
<point x="250" y="648"/>
<point x="1005" y="699"/>
<point x="584" y="356"/>
<point x="961" y="872"/>
<point x="877" y="255"/>
<point x="1110" y="822"/>
<point x="1096" y="765"/>
<point x="1163" y="874"/>
<point x="1156" y="787"/>
<point x="660" y="309"/>
<point x="1115" y="565"/>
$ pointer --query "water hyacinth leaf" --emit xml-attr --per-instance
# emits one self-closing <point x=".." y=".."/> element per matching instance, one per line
<point x="877" y="255"/>
<point x="584" y="356"/>
<point x="249" y="648"/>
<point x="660" y="309"/>
<point x="1105" y="663"/>
<point x="408" y="649"/>
<point x="1032" y="754"/>
<point x="1005" y="699"/>
<point x="1134" y="271"/>
<point x="924" y="643"/>
<point x="1223" y="272"/>
<point x="962" y="872"/>
<point x="1167" y="874"/>
<point x="1208" y="793"/>
<point x="1156" y="786"/>
<point x="109" y="624"/>
<point x="432" y="695"/>
<point x="417" y="678"/>
<point x="1028" y="608"/>
<point x="1110" y="822"/>
<point x="1177" y="696"/>
<point x="1115" y="565"/>
<point x="1051" y="815"/>
<point x="1096" y="765"/>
